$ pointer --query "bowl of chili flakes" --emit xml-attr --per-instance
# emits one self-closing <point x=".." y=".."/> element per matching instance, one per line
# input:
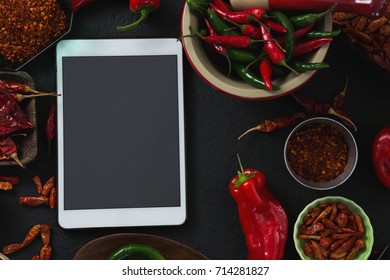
<point x="333" y="228"/>
<point x="320" y="153"/>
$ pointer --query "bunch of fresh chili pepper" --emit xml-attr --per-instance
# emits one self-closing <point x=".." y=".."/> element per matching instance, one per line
<point x="262" y="217"/>
<point x="144" y="8"/>
<point x="269" y="38"/>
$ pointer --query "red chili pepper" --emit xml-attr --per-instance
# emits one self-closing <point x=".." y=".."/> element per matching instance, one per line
<point x="221" y="49"/>
<point x="144" y="7"/>
<point x="273" y="50"/>
<point x="274" y="26"/>
<point x="220" y="4"/>
<point x="308" y="46"/>
<point x="381" y="156"/>
<point x="8" y="150"/>
<point x="12" y="117"/>
<point x="262" y="217"/>
<point x="240" y="17"/>
<point x="231" y="40"/>
<point x="315" y="107"/>
<point x="51" y="125"/>
<point x="298" y="34"/>
<point x="266" y="73"/>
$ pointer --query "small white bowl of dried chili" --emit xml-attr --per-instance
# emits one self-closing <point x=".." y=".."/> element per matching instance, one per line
<point x="333" y="228"/>
<point x="320" y="153"/>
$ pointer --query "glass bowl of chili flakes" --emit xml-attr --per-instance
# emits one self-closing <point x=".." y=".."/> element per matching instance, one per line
<point x="320" y="153"/>
<point x="333" y="228"/>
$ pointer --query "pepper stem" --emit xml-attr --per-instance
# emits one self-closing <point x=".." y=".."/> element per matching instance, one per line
<point x="144" y="14"/>
<point x="15" y="157"/>
<point x="284" y="64"/>
<point x="331" y="111"/>
<point x="248" y="131"/>
<point x="29" y="89"/>
<point x="20" y="97"/>
<point x="241" y="177"/>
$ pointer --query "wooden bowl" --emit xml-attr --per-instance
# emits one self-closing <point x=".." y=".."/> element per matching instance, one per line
<point x="101" y="248"/>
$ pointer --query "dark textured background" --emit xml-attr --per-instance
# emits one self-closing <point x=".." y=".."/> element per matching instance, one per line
<point x="213" y="122"/>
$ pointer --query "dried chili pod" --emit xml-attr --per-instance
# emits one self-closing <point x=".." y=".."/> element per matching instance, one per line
<point x="276" y="123"/>
<point x="8" y="149"/>
<point x="50" y="131"/>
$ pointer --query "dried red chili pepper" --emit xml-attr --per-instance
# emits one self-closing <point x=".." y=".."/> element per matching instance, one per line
<point x="10" y="179"/>
<point x="14" y="87"/>
<point x="5" y="186"/>
<point x="13" y="118"/>
<point x="144" y="7"/>
<point x="315" y="107"/>
<point x="53" y="198"/>
<point x="276" y="124"/>
<point x="273" y="50"/>
<point x="48" y="186"/>
<point x="338" y="100"/>
<point x="33" y="200"/>
<point x="310" y="45"/>
<point x="8" y="150"/>
<point x="262" y="217"/>
<point x="38" y="183"/>
<point x="50" y="131"/>
<point x="381" y="156"/>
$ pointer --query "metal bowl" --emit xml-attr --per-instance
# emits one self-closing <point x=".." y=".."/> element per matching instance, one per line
<point x="3" y="257"/>
<point x="352" y="155"/>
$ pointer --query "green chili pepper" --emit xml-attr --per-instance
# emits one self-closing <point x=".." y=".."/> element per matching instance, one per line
<point x="249" y="77"/>
<point x="136" y="250"/>
<point x="241" y="55"/>
<point x="322" y="34"/>
<point x="300" y="21"/>
<point x="307" y="66"/>
<point x="282" y="19"/>
<point x="198" y="7"/>
<point x="221" y="26"/>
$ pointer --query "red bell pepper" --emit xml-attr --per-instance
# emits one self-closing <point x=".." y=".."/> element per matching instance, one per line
<point x="144" y="7"/>
<point x="381" y="156"/>
<point x="262" y="217"/>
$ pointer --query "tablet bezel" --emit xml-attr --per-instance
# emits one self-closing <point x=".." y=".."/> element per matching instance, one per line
<point x="120" y="217"/>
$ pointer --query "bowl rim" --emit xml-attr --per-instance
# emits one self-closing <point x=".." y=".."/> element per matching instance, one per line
<point x="369" y="231"/>
<point x="332" y="183"/>
<point x="248" y="92"/>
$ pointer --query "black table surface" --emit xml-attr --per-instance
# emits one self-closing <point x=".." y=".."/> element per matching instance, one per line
<point x="213" y="123"/>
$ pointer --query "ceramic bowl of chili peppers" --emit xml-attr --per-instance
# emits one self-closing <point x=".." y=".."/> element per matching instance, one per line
<point x="333" y="228"/>
<point x="320" y="153"/>
<point x="254" y="54"/>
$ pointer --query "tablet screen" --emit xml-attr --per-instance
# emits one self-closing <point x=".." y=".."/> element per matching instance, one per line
<point x="120" y="132"/>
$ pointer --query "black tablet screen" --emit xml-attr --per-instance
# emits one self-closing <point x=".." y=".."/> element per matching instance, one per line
<point x="121" y="132"/>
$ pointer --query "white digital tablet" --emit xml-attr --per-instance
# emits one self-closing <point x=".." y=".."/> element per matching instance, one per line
<point x="121" y="144"/>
